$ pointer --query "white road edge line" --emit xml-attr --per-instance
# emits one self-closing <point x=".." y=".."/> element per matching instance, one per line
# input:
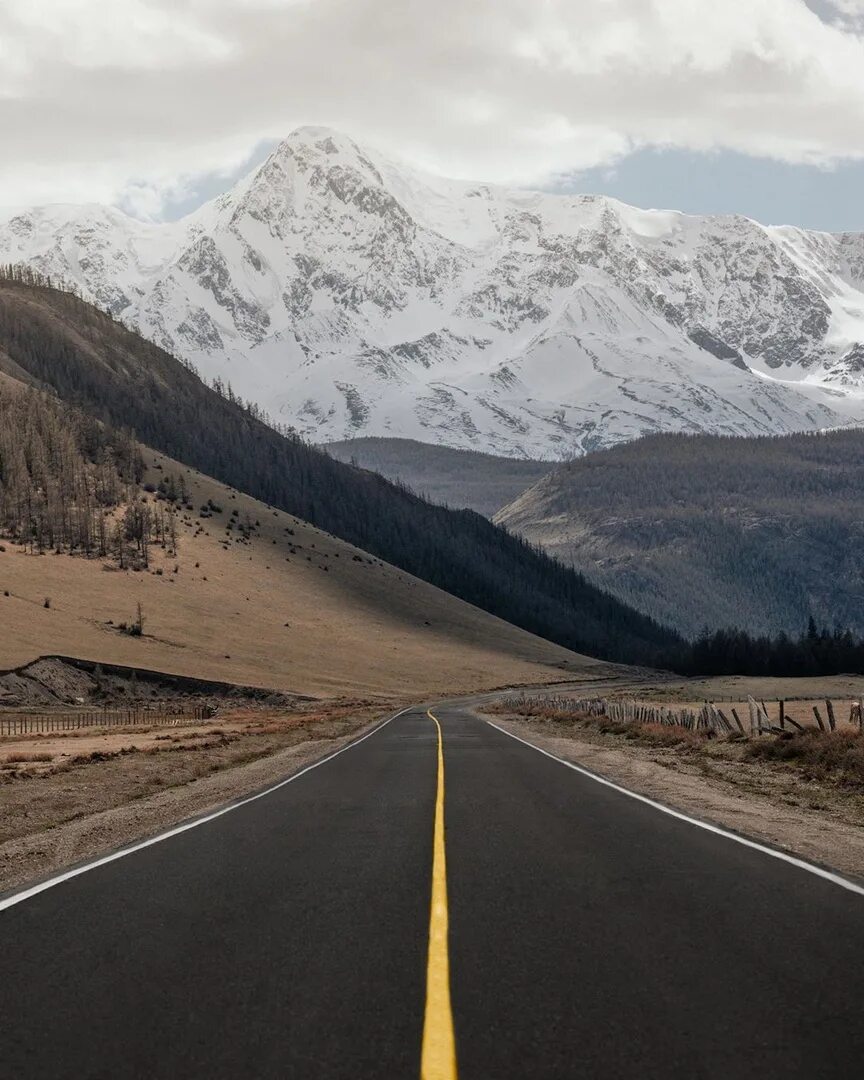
<point x="34" y="890"/>
<point x="802" y="864"/>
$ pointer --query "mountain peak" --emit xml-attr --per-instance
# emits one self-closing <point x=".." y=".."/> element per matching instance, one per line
<point x="311" y="141"/>
<point x="314" y="133"/>
<point x="348" y="294"/>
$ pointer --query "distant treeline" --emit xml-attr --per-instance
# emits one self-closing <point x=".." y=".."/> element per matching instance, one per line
<point x="817" y="652"/>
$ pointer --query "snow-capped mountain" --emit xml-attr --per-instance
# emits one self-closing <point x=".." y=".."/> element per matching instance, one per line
<point x="349" y="295"/>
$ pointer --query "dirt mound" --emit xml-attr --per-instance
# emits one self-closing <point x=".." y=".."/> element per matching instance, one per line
<point x="57" y="680"/>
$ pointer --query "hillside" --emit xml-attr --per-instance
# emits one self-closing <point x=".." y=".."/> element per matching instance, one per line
<point x="303" y="612"/>
<point x="461" y="479"/>
<point x="350" y="295"/>
<point x="700" y="531"/>
<point x="229" y="589"/>
<point x="128" y="383"/>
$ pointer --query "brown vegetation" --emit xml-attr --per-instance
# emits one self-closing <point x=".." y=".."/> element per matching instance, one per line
<point x="19" y="757"/>
<point x="66" y="774"/>
<point x="835" y="758"/>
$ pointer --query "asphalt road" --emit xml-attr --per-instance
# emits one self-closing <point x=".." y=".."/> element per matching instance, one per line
<point x="590" y="935"/>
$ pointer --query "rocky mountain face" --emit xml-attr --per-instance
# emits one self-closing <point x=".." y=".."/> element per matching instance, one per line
<point x="350" y="296"/>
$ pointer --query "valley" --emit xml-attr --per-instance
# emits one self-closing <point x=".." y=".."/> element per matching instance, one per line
<point x="696" y="531"/>
<point x="127" y="384"/>
<point x="460" y="479"/>
<point x="295" y="595"/>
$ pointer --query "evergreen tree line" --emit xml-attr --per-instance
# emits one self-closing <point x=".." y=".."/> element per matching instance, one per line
<point x="89" y="319"/>
<point x="59" y="473"/>
<point x="756" y="533"/>
<point x="816" y="652"/>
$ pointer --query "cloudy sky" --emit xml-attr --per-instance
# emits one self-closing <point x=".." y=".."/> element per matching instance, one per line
<point x="754" y="106"/>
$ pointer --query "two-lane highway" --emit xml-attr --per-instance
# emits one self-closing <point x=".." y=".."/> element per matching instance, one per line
<point x="586" y="934"/>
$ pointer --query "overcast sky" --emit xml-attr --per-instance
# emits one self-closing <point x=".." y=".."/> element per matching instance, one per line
<point x="754" y="106"/>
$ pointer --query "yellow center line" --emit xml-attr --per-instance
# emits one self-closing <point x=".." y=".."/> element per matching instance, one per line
<point x="438" y="1058"/>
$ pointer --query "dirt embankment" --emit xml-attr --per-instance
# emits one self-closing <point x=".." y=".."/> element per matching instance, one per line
<point x="68" y="796"/>
<point x="54" y="681"/>
<point x="803" y="793"/>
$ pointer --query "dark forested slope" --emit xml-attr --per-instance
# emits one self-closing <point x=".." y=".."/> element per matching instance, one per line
<point x="705" y="531"/>
<point x="91" y="361"/>
<point x="462" y="479"/>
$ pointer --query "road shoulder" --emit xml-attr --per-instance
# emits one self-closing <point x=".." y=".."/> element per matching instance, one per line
<point x="35" y="855"/>
<point x="830" y="836"/>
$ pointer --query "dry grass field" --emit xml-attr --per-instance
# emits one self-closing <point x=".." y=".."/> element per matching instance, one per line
<point x="286" y="607"/>
<point x="73" y="795"/>
<point x="734" y="689"/>
<point x="85" y="772"/>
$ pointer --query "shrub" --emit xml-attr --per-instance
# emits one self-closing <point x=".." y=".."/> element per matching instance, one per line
<point x="830" y="755"/>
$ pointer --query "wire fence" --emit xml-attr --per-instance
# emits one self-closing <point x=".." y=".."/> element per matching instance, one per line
<point x="708" y="718"/>
<point x="159" y="716"/>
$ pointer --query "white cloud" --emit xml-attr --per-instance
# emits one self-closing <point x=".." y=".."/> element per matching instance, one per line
<point x="129" y="100"/>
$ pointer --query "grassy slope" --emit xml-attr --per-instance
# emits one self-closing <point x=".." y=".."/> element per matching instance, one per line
<point x="705" y="531"/>
<point x="357" y="627"/>
<point x="462" y="479"/>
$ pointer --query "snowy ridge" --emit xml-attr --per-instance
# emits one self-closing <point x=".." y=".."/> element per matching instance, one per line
<point x="350" y="295"/>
